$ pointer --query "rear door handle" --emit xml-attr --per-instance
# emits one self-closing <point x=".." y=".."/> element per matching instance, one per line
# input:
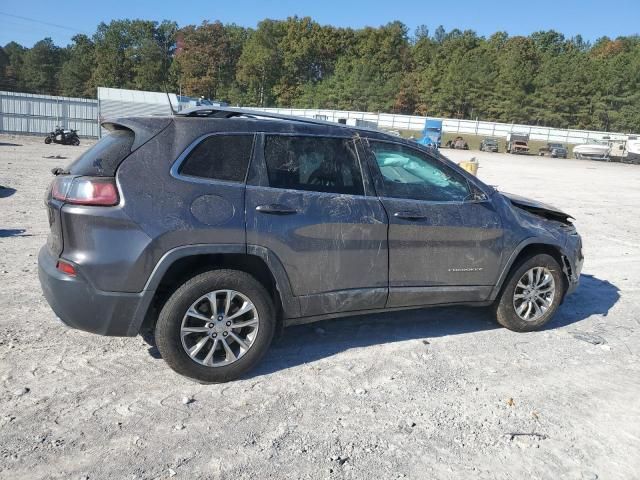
<point x="409" y="215"/>
<point x="275" y="209"/>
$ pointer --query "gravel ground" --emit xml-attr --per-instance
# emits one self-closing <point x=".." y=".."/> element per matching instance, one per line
<point x="439" y="393"/>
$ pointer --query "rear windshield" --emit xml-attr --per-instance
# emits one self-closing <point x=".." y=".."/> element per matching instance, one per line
<point x="104" y="157"/>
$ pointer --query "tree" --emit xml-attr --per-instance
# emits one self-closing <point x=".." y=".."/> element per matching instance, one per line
<point x="76" y="72"/>
<point x="11" y="77"/>
<point x="260" y="63"/>
<point x="206" y="59"/>
<point x="540" y="79"/>
<point x="40" y="67"/>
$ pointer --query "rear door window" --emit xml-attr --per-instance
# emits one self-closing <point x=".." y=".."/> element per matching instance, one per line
<point x="219" y="157"/>
<point x="319" y="164"/>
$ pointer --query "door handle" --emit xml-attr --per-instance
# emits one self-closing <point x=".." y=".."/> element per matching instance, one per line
<point x="409" y="215"/>
<point x="275" y="209"/>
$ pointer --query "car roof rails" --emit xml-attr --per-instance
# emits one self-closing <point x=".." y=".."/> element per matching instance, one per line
<point x="232" y="112"/>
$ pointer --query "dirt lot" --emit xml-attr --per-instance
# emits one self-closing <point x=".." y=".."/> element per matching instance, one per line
<point x="424" y="394"/>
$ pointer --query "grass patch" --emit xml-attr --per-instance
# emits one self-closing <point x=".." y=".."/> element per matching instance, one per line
<point x="474" y="141"/>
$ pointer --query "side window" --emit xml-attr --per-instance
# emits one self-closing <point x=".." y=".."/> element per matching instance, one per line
<point x="313" y="163"/>
<point x="219" y="157"/>
<point x="408" y="173"/>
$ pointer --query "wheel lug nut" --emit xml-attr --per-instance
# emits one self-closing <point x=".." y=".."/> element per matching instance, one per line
<point x="219" y="317"/>
<point x="225" y="334"/>
<point x="228" y="324"/>
<point x="210" y="325"/>
<point x="214" y="335"/>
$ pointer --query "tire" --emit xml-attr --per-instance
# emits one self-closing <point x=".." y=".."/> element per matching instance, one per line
<point x="47" y="140"/>
<point x="168" y="336"/>
<point x="76" y="142"/>
<point x="505" y="306"/>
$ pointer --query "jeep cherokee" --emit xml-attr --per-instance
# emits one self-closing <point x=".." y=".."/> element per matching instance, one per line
<point x="213" y="228"/>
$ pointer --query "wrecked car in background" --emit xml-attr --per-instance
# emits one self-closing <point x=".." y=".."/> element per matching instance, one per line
<point x="265" y="221"/>
<point x="554" y="150"/>
<point x="458" y="143"/>
<point x="517" y="143"/>
<point x="489" y="145"/>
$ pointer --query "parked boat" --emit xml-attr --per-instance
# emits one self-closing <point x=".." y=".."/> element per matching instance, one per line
<point x="595" y="150"/>
<point x="633" y="149"/>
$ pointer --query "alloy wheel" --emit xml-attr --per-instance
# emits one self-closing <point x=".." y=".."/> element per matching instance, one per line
<point x="219" y="328"/>
<point x="534" y="294"/>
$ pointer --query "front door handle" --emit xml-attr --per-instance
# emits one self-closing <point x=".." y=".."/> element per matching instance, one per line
<point x="275" y="209"/>
<point x="409" y="215"/>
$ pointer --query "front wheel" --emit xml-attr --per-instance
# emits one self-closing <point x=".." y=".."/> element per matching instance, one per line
<point x="216" y="326"/>
<point x="532" y="294"/>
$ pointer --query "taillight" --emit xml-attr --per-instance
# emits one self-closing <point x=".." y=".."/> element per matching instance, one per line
<point x="100" y="191"/>
<point x="66" y="268"/>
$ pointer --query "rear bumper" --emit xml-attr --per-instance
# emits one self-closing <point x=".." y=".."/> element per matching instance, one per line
<point x="79" y="305"/>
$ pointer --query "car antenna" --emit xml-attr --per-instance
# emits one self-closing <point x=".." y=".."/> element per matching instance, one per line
<point x="173" y="112"/>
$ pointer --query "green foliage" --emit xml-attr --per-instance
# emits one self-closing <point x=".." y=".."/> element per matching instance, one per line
<point x="544" y="79"/>
<point x="76" y="71"/>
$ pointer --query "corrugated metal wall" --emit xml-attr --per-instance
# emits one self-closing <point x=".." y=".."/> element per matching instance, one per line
<point x="26" y="113"/>
<point x="119" y="102"/>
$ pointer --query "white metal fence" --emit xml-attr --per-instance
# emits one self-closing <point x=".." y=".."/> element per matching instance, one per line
<point x="27" y="113"/>
<point x="36" y="114"/>
<point x="470" y="127"/>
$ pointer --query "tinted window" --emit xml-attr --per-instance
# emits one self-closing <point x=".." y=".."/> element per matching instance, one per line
<point x="105" y="156"/>
<point x="313" y="163"/>
<point x="408" y="173"/>
<point x="220" y="157"/>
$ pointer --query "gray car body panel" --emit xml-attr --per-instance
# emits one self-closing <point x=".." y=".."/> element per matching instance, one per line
<point x="337" y="255"/>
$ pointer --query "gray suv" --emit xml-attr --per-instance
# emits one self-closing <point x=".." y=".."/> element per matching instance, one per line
<point x="213" y="228"/>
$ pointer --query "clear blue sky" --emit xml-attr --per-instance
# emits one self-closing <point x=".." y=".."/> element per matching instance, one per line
<point x="62" y="19"/>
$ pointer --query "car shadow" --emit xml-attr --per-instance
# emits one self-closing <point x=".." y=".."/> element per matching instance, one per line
<point x="302" y="344"/>
<point x="308" y="343"/>
<point x="6" y="191"/>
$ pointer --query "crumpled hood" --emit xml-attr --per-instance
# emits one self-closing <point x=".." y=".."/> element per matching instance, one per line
<point x="538" y="208"/>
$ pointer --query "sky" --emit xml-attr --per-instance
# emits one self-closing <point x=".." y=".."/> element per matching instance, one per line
<point x="28" y="21"/>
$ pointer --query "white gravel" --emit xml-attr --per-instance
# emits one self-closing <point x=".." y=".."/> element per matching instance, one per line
<point x="421" y="394"/>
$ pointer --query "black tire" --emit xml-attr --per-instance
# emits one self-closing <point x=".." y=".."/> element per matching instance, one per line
<point x="504" y="306"/>
<point x="47" y="140"/>
<point x="76" y="142"/>
<point x="167" y="331"/>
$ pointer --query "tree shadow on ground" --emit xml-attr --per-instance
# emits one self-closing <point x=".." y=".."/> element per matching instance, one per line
<point x="9" y="144"/>
<point x="6" y="191"/>
<point x="307" y="343"/>
<point x="13" y="232"/>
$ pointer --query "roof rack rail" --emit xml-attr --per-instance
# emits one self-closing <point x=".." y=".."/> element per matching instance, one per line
<point x="230" y="112"/>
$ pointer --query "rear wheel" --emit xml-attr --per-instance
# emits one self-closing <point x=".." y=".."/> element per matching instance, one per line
<point x="47" y="140"/>
<point x="532" y="294"/>
<point x="216" y="326"/>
